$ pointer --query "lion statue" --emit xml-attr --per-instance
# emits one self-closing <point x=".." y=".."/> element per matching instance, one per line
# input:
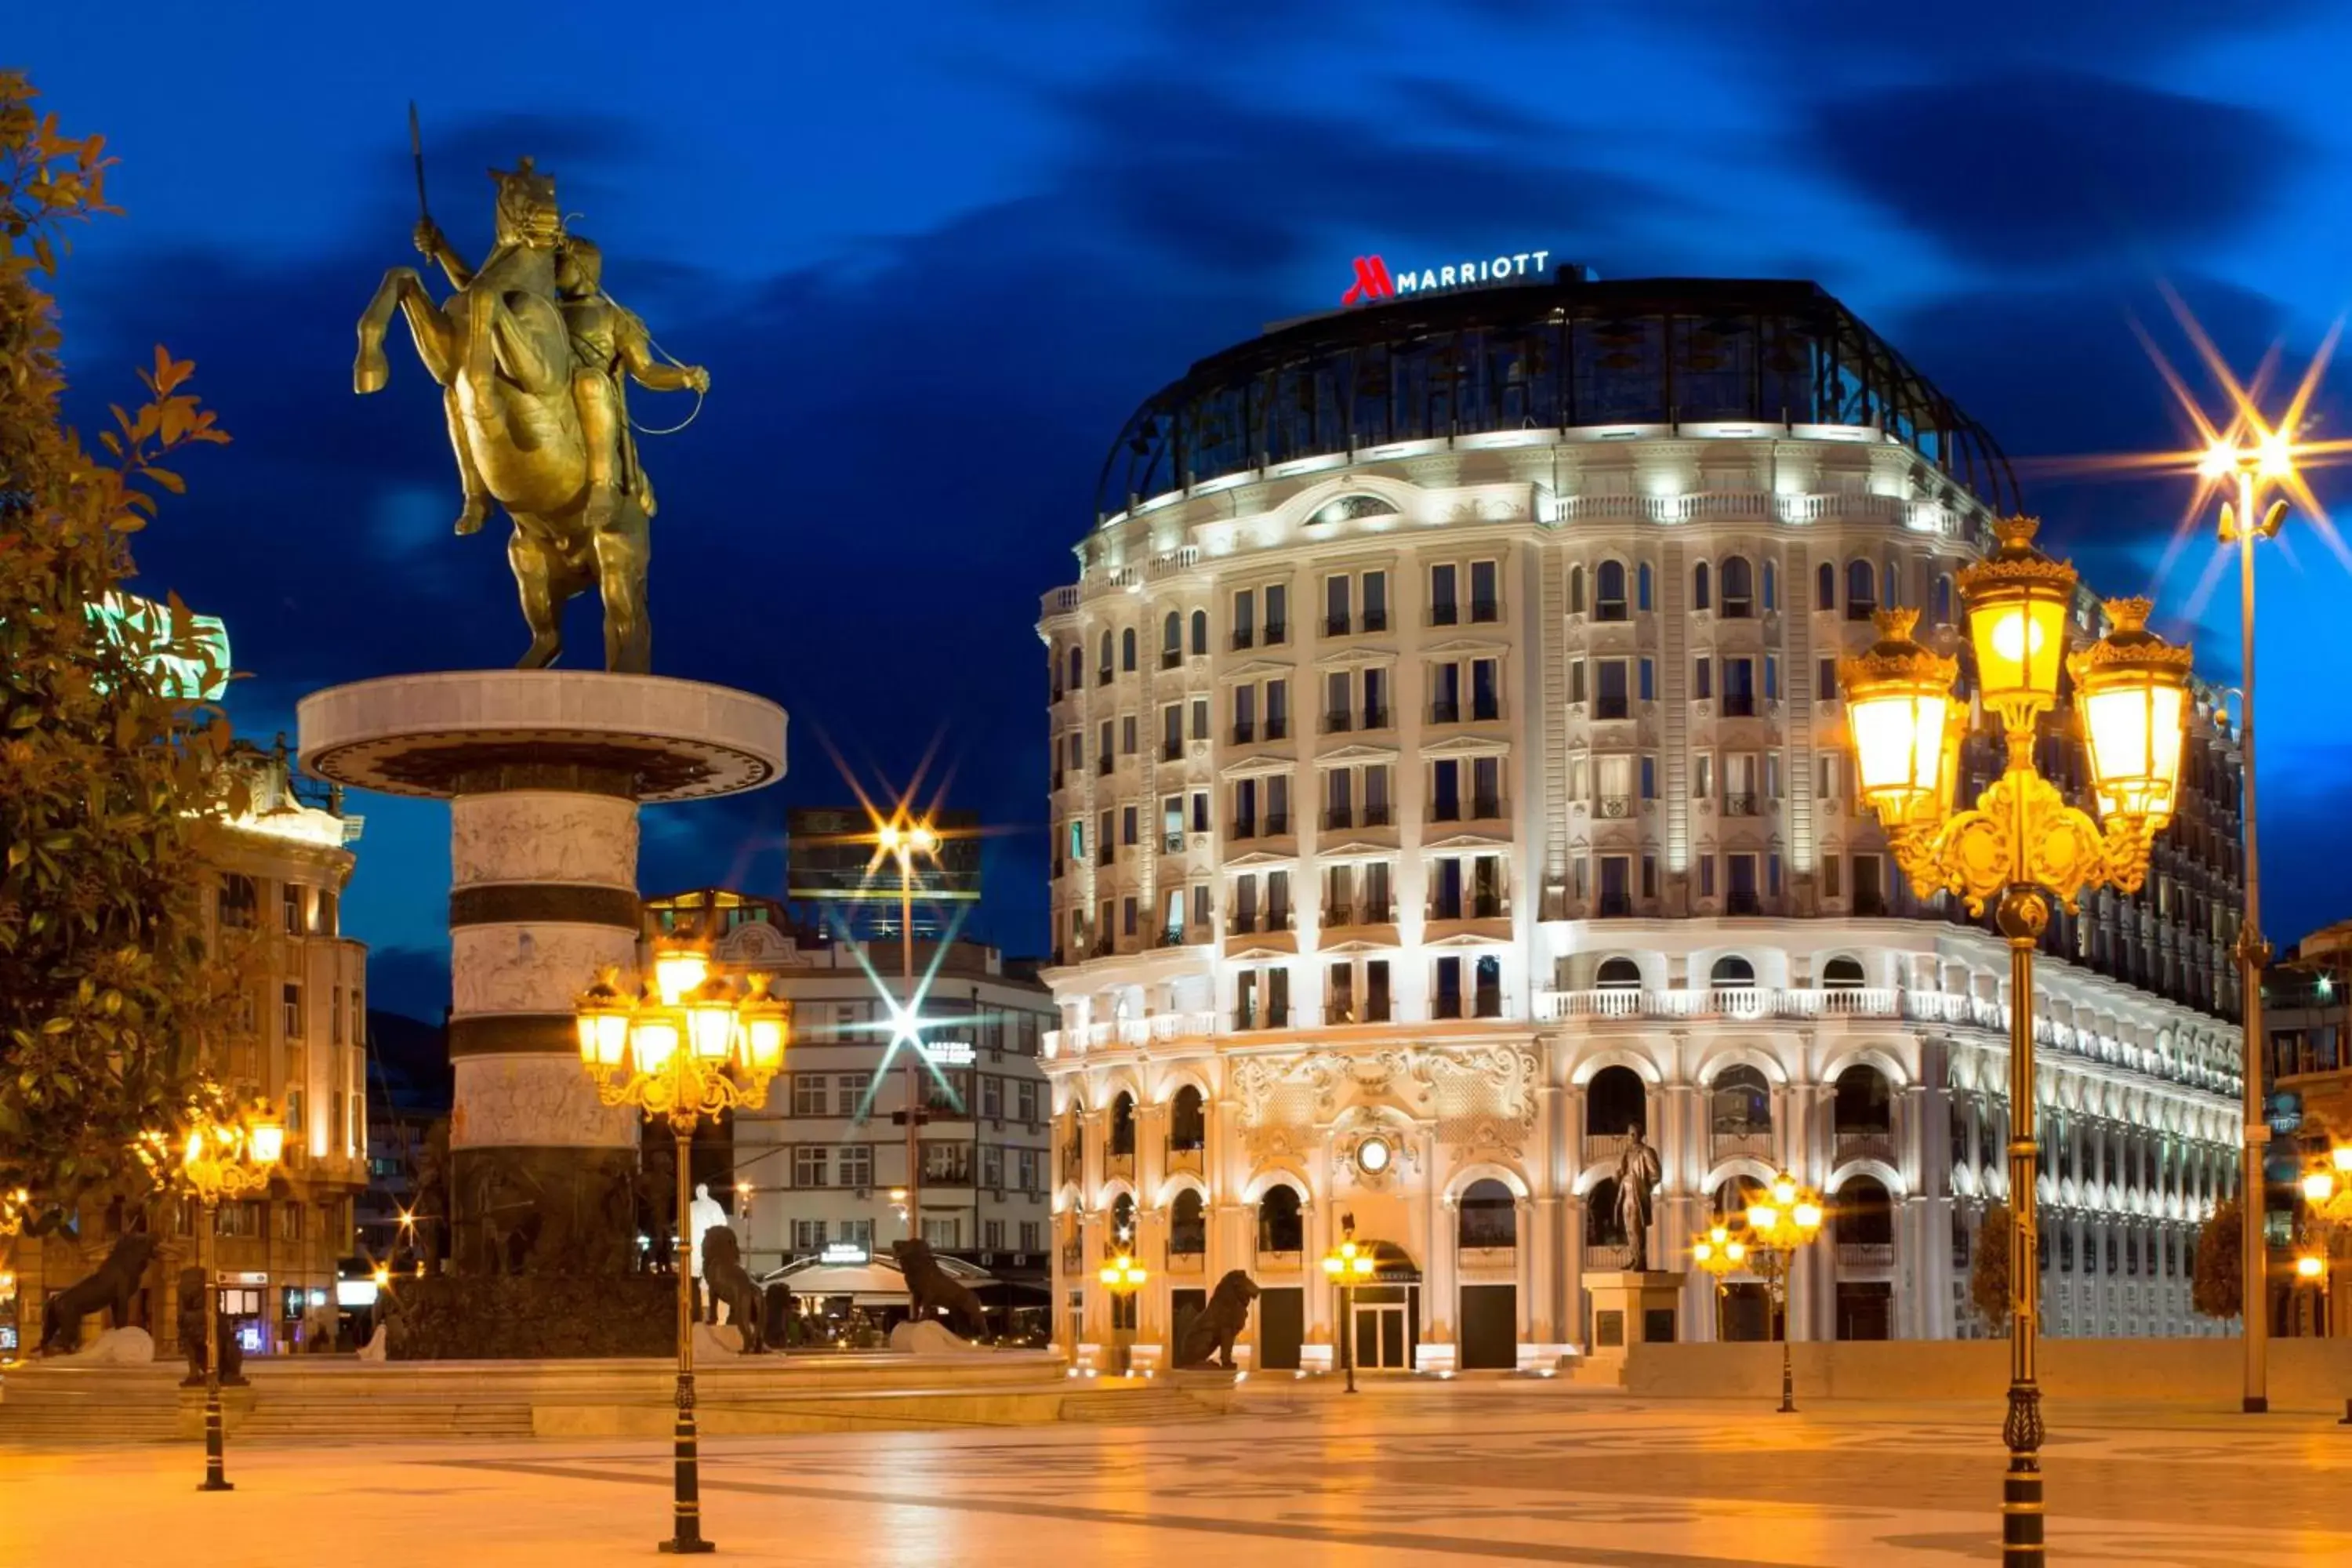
<point x="725" y="1279"/>
<point x="192" y="1334"/>
<point x="931" y="1288"/>
<point x="1221" y="1322"/>
<point x="112" y="1287"/>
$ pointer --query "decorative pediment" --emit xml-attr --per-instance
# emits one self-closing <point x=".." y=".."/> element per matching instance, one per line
<point x="1469" y="938"/>
<point x="1258" y="766"/>
<point x="1345" y="756"/>
<point x="1455" y="645"/>
<point x="1252" y="859"/>
<point x="1469" y="838"/>
<point x="1356" y="657"/>
<point x="1353" y="851"/>
<point x="1356" y="944"/>
<point x="1467" y="746"/>
<point x="1256" y="669"/>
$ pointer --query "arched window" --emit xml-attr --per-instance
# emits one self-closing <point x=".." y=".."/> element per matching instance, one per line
<point x="1731" y="970"/>
<point x="1700" y="598"/>
<point x="1103" y="669"/>
<point x="1615" y="1102"/>
<point x="1738" y="588"/>
<point x="1278" y="1227"/>
<point x="1865" y="1104"/>
<point x="1740" y="1103"/>
<point x="1122" y="1221"/>
<point x="1825" y="586"/>
<point x="1171" y="641"/>
<point x="1122" y="1125"/>
<point x="1772" y="586"/>
<point x="1188" y="1128"/>
<point x="1733" y="1196"/>
<point x="1188" y="1225"/>
<point x="1489" y="1215"/>
<point x="1575" y="589"/>
<point x="1078" y="667"/>
<point x="1618" y="974"/>
<point x="1861" y="1216"/>
<point x="1642" y="586"/>
<point x="1861" y="591"/>
<point x="1200" y="632"/>
<point x="1127" y="650"/>
<point x="1608" y="592"/>
<point x="1943" y="601"/>
<point x="1842" y="974"/>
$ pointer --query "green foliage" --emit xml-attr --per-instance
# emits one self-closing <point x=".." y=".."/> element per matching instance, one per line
<point x="1988" y="1271"/>
<point x="108" y="1000"/>
<point x="2217" y="1288"/>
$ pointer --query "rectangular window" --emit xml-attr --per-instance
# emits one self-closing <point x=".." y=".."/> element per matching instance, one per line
<point x="1200" y="718"/>
<point x="850" y="1089"/>
<point x="1444" y="607"/>
<point x="240" y="901"/>
<point x="1200" y="811"/>
<point x="1771" y="678"/>
<point x="1740" y="687"/>
<point x="1104" y="760"/>
<point x="1246" y="619"/>
<point x="1171" y="823"/>
<point x="1446" y="1001"/>
<point x="1376" y="601"/>
<point x="1772" y="875"/>
<point x="1376" y="700"/>
<point x="1707" y="876"/>
<point x="1826" y="776"/>
<point x="1485" y="688"/>
<point x="1126" y="737"/>
<point x="291" y="996"/>
<point x="810" y="1166"/>
<point x="1201" y="913"/>
<point x="1445" y="790"/>
<point x="1171" y="734"/>
<point x="1445" y="693"/>
<point x="1244" y="715"/>
<point x="1649" y="685"/>
<point x="290" y="905"/>
<point x="1376" y="796"/>
<point x="1649" y="777"/>
<point x="1825" y="679"/>
<point x="1338" y="605"/>
<point x="1103" y="844"/>
<point x="1649" y="876"/>
<point x="1616" y="885"/>
<point x="856" y="1165"/>
<point x="1702" y="775"/>
<point x="1576" y="680"/>
<point x="808" y="1236"/>
<point x="1487" y="788"/>
<point x="1127" y="826"/>
<point x="335" y="1019"/>
<point x="1033" y="1234"/>
<point x="1337" y="715"/>
<point x="808" y="1094"/>
<point x="1485" y="602"/>
<point x="1077" y="839"/>
<point x="1278" y="710"/>
<point x="1611" y="701"/>
<point x="1278" y="615"/>
<point x="1703" y="678"/>
<point x="991" y="1231"/>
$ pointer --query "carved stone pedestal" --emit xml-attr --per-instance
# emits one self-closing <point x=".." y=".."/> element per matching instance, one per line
<point x="545" y="772"/>
<point x="1630" y="1307"/>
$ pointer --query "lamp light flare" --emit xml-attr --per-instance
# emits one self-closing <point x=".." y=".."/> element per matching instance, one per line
<point x="2309" y="1267"/>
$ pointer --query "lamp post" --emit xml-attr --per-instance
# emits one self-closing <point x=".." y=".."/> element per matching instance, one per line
<point x="1722" y="1255"/>
<point x="2021" y="845"/>
<point x="223" y="1157"/>
<point x="1122" y="1276"/>
<point x="13" y="1207"/>
<point x="902" y="838"/>
<point x="1776" y="1228"/>
<point x="2243" y="470"/>
<point x="689" y="1047"/>
<point x="1350" y="1264"/>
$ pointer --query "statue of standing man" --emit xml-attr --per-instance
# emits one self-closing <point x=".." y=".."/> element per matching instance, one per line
<point x="1637" y="1173"/>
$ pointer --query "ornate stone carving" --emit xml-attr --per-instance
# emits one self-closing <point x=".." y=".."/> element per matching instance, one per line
<point x="532" y="969"/>
<point x="542" y="836"/>
<point x="540" y="1101"/>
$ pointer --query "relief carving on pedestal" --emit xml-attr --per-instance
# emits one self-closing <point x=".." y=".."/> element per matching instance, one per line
<point x="532" y="969"/>
<point x="544" y="836"/>
<point x="535" y="1101"/>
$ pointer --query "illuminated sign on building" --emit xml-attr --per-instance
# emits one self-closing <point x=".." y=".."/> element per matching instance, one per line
<point x="1375" y="281"/>
<point x="844" y="1252"/>
<point x="949" y="1053"/>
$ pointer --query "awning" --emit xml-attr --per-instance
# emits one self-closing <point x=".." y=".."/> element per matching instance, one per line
<point x="875" y="1282"/>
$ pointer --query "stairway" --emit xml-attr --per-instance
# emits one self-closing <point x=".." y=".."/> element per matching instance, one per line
<point x="1152" y="1405"/>
<point x="50" y="1410"/>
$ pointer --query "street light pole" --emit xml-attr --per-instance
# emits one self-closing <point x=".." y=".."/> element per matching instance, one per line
<point x="1789" y="1217"/>
<point x="223" y="1157"/>
<point x="1349" y="1265"/>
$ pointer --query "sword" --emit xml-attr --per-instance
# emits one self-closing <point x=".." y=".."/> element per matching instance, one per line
<point x="417" y="150"/>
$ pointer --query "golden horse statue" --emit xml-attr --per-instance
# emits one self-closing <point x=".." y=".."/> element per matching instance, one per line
<point x="530" y="352"/>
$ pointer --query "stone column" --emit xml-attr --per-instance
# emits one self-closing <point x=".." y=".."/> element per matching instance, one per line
<point x="543" y="874"/>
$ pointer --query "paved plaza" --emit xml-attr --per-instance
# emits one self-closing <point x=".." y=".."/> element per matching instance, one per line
<point x="1466" y="1474"/>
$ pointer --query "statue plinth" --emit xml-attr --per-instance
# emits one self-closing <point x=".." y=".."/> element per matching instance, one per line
<point x="545" y="772"/>
<point x="1630" y="1307"/>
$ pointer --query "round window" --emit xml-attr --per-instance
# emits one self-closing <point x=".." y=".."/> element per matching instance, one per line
<point x="1372" y="1155"/>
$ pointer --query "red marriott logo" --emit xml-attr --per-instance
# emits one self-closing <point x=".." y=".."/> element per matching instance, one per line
<point x="1375" y="282"/>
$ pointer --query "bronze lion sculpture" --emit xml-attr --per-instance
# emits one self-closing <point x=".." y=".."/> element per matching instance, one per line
<point x="1221" y="1322"/>
<point x="113" y="1286"/>
<point x="724" y="1279"/>
<point x="931" y="1289"/>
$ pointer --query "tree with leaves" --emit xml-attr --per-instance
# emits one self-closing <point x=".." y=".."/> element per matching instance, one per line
<point x="109" y="1000"/>
<point x="1988" y="1270"/>
<point x="2217" y="1288"/>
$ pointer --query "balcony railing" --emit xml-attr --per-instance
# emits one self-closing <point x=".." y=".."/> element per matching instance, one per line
<point x="1171" y="843"/>
<point x="1613" y="805"/>
<point x="1171" y="751"/>
<point x="1486" y="708"/>
<point x="1749" y="1145"/>
<point x="1445" y="713"/>
<point x="1865" y="1144"/>
<point x="1379" y="815"/>
<point x="1339" y="723"/>
<point x="1336" y="626"/>
<point x="1376" y="620"/>
<point x="1775" y="1002"/>
<point x="1337" y="817"/>
<point x="1486" y="808"/>
<point x="1376" y="718"/>
<point x="1615" y="905"/>
<point x="1738" y="705"/>
<point x="1244" y="734"/>
<point x="1278" y="822"/>
<point x="1274" y="1016"/>
<point x="1485" y="610"/>
<point x="1741" y="803"/>
<point x="1277" y="728"/>
<point x="1864" y="1257"/>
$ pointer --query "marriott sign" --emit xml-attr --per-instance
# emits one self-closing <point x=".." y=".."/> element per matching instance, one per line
<point x="1375" y="282"/>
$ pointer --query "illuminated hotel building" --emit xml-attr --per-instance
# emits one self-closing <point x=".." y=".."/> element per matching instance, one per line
<point x="1447" y="775"/>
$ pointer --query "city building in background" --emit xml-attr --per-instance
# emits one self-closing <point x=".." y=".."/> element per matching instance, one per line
<point x="2307" y="1082"/>
<point x="410" y="1090"/>
<point x="1449" y="781"/>
<point x="277" y="871"/>
<point x="838" y="886"/>
<point x="823" y="1167"/>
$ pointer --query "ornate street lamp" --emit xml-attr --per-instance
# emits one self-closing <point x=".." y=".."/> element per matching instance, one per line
<point x="1722" y="1255"/>
<point x="2020" y="844"/>
<point x="1789" y="1217"/>
<point x="1350" y="1264"/>
<point x="690" y="1047"/>
<point x="220" y="1158"/>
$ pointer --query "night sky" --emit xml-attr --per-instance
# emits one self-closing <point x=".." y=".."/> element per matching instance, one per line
<point x="934" y="254"/>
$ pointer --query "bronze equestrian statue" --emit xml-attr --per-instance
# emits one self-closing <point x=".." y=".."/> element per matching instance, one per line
<point x="530" y="353"/>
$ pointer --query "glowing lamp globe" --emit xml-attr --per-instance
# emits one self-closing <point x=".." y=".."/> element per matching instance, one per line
<point x="654" y="1042"/>
<point x="266" y="1138"/>
<point x="767" y="1027"/>
<point x="2340" y="1156"/>
<point x="2131" y="688"/>
<point x="1808" y="1216"/>
<point x="678" y="971"/>
<point x="2318" y="1186"/>
<point x="1900" y="712"/>
<point x="1762" y="1218"/>
<point x="2018" y="600"/>
<point x="2309" y="1267"/>
<point x="710" y="1019"/>
<point x="602" y="1017"/>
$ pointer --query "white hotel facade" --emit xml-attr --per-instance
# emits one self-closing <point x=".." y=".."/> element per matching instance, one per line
<point x="1448" y="777"/>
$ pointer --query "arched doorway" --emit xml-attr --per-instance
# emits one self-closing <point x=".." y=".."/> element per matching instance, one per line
<point x="1862" y="1225"/>
<point x="1385" y="1326"/>
<point x="1743" y="1310"/>
<point x="1281" y="1308"/>
<point x="1487" y="1234"/>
